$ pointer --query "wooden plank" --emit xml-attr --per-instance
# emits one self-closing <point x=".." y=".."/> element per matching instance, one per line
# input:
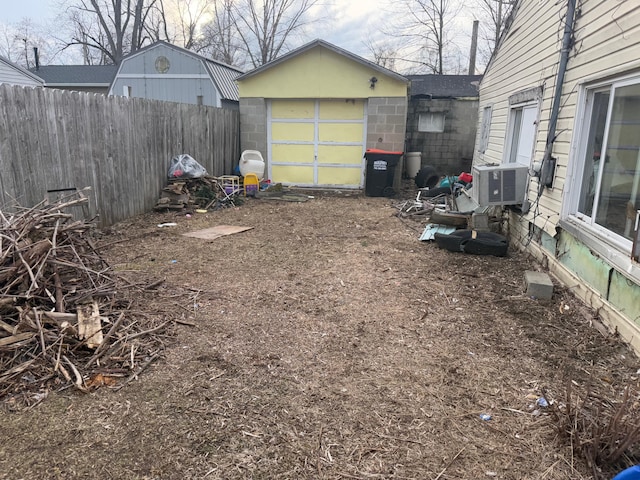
<point x="90" y="325"/>
<point x="20" y="337"/>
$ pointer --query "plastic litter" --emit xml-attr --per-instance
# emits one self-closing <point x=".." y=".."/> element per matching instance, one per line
<point x="632" y="473"/>
<point x="174" y="261"/>
<point x="168" y="224"/>
<point x="185" y="166"/>
<point x="542" y="402"/>
<point x="485" y="416"/>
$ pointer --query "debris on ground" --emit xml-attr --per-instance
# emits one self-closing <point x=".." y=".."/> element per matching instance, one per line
<point x="65" y="314"/>
<point x="193" y="194"/>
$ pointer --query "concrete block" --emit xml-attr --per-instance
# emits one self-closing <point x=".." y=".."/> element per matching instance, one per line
<point x="538" y="285"/>
<point x="480" y="221"/>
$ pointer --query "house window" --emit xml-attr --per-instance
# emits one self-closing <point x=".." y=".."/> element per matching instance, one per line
<point x="609" y="159"/>
<point x="522" y="133"/>
<point x="485" y="128"/>
<point x="126" y="90"/>
<point x="431" y="122"/>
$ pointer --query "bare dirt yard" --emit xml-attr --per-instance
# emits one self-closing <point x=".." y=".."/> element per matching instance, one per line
<point x="327" y="342"/>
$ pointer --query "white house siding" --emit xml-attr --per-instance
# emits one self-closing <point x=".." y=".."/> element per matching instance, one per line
<point x="528" y="57"/>
<point x="606" y="44"/>
<point x="14" y="76"/>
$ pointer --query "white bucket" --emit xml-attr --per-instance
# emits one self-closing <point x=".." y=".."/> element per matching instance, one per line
<point x="413" y="163"/>
<point x="251" y="162"/>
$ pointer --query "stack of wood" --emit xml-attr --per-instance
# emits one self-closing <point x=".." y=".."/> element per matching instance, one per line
<point x="188" y="194"/>
<point x="61" y="321"/>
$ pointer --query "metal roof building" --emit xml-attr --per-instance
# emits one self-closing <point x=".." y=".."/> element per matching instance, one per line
<point x="170" y="73"/>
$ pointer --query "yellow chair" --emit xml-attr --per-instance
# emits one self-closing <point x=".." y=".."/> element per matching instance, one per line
<point x="251" y="184"/>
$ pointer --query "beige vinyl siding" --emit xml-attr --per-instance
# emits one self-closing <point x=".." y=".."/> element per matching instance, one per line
<point x="607" y="35"/>
<point x="520" y="64"/>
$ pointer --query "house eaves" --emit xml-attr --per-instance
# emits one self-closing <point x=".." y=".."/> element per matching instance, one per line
<point x="328" y="46"/>
<point x="505" y="32"/>
<point x="23" y="71"/>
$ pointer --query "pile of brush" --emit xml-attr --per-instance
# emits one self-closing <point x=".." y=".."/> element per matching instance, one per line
<point x="63" y="312"/>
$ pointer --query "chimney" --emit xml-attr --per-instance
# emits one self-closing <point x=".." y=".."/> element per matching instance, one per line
<point x="474" y="48"/>
<point x="37" y="57"/>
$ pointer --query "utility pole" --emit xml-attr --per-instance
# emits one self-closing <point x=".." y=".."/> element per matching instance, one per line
<point x="474" y="48"/>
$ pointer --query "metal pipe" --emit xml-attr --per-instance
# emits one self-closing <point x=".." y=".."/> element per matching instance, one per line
<point x="564" y="59"/>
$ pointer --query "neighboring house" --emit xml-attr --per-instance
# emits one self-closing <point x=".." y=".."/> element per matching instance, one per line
<point x="314" y="111"/>
<point x="79" y="78"/>
<point x="166" y="72"/>
<point x="442" y="120"/>
<point x="16" y="75"/>
<point x="580" y="145"/>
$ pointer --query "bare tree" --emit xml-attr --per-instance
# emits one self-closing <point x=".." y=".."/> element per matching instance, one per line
<point x="384" y="52"/>
<point x="176" y="21"/>
<point x="265" y="26"/>
<point x="18" y="40"/>
<point x="220" y="38"/>
<point x="427" y="26"/>
<point x="113" y="28"/>
<point x="493" y="15"/>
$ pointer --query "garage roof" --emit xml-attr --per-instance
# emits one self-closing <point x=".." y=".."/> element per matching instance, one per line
<point x="329" y="46"/>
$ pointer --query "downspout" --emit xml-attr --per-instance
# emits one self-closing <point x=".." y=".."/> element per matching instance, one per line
<point x="548" y="162"/>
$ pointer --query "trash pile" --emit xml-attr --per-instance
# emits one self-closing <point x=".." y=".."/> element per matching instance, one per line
<point x="455" y="221"/>
<point x="64" y="316"/>
<point x="190" y="187"/>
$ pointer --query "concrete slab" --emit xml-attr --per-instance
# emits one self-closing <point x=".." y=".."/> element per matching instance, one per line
<point x="538" y="285"/>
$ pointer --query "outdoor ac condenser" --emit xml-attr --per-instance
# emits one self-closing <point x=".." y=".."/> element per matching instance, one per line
<point x="499" y="184"/>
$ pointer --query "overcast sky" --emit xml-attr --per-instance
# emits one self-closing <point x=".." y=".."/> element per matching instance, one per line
<point x="352" y="21"/>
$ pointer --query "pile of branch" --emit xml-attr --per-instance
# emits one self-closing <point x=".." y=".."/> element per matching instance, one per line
<point x="603" y="429"/>
<point x="190" y="193"/>
<point x="63" y="314"/>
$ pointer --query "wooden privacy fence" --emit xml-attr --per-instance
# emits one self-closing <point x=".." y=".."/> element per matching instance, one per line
<point x="120" y="147"/>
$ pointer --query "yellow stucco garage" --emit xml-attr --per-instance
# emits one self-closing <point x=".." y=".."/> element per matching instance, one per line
<point x="314" y="111"/>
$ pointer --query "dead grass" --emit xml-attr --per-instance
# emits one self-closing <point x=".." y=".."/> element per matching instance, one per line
<point x="329" y="343"/>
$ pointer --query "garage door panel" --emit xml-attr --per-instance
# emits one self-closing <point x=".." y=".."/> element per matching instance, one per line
<point x="317" y="142"/>
<point x="339" y="176"/>
<point x="341" y="109"/>
<point x="281" y="153"/>
<point x="300" y="132"/>
<point x="341" y="132"/>
<point x="340" y="154"/>
<point x="293" y="174"/>
<point x="286" y="109"/>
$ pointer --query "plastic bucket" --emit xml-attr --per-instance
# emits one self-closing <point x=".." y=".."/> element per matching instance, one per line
<point x="251" y="162"/>
<point x="414" y="162"/>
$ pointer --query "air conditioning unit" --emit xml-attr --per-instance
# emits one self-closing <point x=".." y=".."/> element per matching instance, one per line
<point x="499" y="184"/>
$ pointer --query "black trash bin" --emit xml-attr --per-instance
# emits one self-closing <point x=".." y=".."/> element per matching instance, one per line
<point x="380" y="173"/>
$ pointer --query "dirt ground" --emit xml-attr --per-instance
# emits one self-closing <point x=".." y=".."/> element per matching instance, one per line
<point x="329" y="343"/>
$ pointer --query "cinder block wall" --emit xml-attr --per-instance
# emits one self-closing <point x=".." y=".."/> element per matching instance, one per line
<point x="253" y="125"/>
<point x="386" y="123"/>
<point x="450" y="152"/>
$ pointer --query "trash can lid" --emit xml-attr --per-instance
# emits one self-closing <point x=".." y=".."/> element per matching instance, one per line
<point x="387" y="152"/>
